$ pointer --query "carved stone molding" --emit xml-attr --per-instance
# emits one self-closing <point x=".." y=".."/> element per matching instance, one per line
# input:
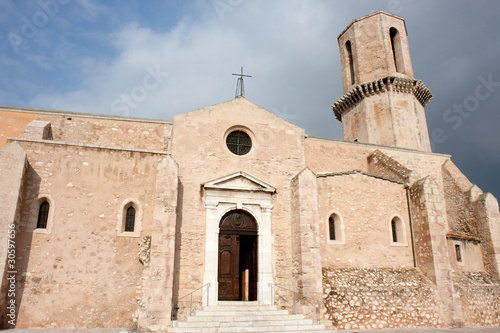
<point x="389" y="83"/>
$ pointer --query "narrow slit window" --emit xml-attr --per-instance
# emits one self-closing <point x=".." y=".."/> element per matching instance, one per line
<point x="394" y="228"/>
<point x="458" y="252"/>
<point x="351" y="61"/>
<point x="130" y="219"/>
<point x="331" y="226"/>
<point x="397" y="51"/>
<point x="43" y="215"/>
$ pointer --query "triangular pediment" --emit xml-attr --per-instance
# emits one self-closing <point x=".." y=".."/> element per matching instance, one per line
<point x="239" y="108"/>
<point x="239" y="181"/>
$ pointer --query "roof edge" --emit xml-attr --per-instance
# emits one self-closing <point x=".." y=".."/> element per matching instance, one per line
<point x="81" y="114"/>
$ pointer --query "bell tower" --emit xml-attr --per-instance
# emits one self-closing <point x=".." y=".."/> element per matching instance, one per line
<point x="383" y="103"/>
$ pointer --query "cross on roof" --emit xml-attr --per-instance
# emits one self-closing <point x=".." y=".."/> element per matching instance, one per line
<point x="240" y="89"/>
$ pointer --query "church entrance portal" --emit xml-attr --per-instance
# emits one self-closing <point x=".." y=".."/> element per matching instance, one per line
<point x="237" y="276"/>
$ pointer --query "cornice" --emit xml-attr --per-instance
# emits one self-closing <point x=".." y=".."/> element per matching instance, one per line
<point x="389" y="83"/>
<point x="361" y="172"/>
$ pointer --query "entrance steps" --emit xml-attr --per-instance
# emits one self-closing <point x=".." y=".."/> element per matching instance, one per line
<point x="245" y="317"/>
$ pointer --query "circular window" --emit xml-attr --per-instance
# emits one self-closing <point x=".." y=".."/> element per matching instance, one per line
<point x="239" y="142"/>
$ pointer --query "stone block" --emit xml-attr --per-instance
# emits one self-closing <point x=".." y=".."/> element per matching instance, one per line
<point x="38" y="130"/>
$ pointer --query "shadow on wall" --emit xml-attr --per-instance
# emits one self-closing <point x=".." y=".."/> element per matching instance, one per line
<point x="14" y="292"/>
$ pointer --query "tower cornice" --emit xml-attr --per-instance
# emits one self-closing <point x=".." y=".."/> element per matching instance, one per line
<point x="388" y="83"/>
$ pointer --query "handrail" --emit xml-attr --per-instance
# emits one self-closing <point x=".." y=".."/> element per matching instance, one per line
<point x="173" y="315"/>
<point x="311" y="301"/>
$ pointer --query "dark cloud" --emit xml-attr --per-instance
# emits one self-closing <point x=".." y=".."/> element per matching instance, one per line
<point x="290" y="48"/>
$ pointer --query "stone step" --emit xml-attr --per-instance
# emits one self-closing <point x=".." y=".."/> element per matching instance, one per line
<point x="261" y="329"/>
<point x="235" y="313"/>
<point x="261" y="317"/>
<point x="240" y="304"/>
<point x="248" y="322"/>
<point x="244" y="317"/>
<point x="257" y="307"/>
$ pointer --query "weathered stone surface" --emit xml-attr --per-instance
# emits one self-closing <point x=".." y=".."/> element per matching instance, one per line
<point x="480" y="297"/>
<point x="365" y="298"/>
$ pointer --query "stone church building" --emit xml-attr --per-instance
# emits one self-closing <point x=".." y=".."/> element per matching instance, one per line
<point x="110" y="221"/>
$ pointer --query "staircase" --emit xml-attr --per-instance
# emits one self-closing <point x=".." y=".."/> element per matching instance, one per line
<point x="244" y="317"/>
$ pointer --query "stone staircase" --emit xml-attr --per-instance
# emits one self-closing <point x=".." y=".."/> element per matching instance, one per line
<point x="245" y="317"/>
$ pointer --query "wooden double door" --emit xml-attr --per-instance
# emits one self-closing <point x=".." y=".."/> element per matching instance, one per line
<point x="237" y="276"/>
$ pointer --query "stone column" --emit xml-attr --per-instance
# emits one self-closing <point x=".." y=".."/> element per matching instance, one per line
<point x="265" y="271"/>
<point x="211" y="254"/>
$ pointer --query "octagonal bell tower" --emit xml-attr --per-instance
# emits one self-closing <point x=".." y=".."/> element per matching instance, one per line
<point x="383" y="103"/>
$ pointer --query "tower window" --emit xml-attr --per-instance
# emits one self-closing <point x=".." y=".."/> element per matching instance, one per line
<point x="130" y="219"/>
<point x="350" y="59"/>
<point x="43" y="215"/>
<point x="397" y="51"/>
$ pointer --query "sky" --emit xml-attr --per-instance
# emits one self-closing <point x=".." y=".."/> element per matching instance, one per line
<point x="160" y="58"/>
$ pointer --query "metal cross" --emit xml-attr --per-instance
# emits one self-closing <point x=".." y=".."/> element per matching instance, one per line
<point x="240" y="89"/>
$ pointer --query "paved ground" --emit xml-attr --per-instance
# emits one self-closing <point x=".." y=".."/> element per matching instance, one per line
<point x="427" y="330"/>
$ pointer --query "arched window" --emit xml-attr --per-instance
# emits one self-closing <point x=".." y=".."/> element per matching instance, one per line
<point x="331" y="227"/>
<point x="130" y="219"/>
<point x="397" y="51"/>
<point x="350" y="59"/>
<point x="397" y="231"/>
<point x="394" y="229"/>
<point x="335" y="229"/>
<point x="43" y="215"/>
<point x="129" y="222"/>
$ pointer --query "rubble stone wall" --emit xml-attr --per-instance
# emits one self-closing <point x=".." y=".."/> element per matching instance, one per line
<point x="365" y="298"/>
<point x="480" y="297"/>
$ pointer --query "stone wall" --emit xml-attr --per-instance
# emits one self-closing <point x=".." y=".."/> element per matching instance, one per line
<point x="81" y="271"/>
<point x="13" y="124"/>
<point x="364" y="235"/>
<point x="459" y="208"/>
<point x="90" y="129"/>
<point x="480" y="296"/>
<point x="472" y="214"/>
<point x="364" y="298"/>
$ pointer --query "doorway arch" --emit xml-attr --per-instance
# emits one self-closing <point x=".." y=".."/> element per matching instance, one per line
<point x="237" y="263"/>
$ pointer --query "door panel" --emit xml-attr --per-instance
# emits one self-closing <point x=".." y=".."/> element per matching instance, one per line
<point x="229" y="283"/>
<point x="237" y="254"/>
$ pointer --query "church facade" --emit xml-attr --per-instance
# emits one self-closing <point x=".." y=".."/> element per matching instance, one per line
<point x="111" y="221"/>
